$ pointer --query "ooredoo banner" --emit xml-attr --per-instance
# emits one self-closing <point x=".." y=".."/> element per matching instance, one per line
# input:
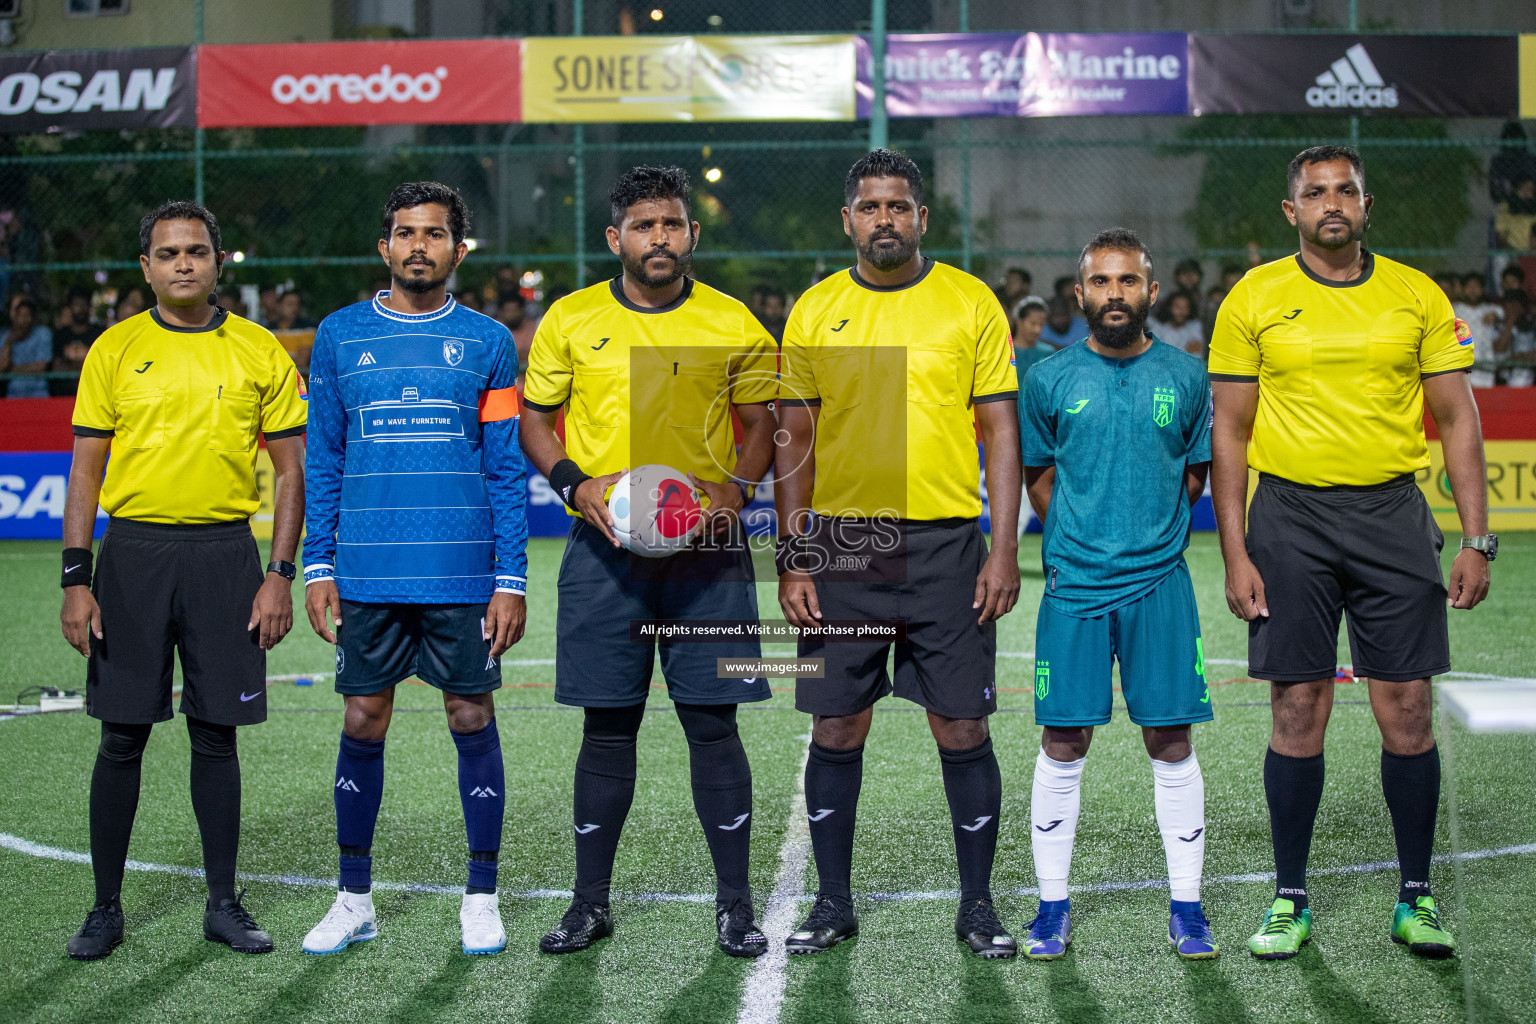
<point x="416" y="81"/>
<point x="1031" y="74"/>
<point x="1440" y="76"/>
<point x="98" y="89"/>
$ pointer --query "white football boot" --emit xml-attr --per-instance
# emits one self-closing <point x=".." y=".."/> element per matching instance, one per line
<point x="480" y="923"/>
<point x="349" y="920"/>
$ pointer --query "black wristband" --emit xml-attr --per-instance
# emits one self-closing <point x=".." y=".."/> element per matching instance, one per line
<point x="77" y="567"/>
<point x="565" y="477"/>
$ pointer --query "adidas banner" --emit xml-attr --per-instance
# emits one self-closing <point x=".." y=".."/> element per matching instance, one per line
<point x="1441" y="76"/>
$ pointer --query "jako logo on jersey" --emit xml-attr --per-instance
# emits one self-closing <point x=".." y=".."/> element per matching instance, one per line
<point x="453" y="352"/>
<point x="979" y="822"/>
<point x="347" y="784"/>
<point x="367" y="360"/>
<point x="1352" y="81"/>
<point x="1463" y="332"/>
<point x="840" y="325"/>
<point x="146" y="366"/>
<point x="385" y="84"/>
<point x="1193" y="836"/>
<point x="1047" y="828"/>
<point x="733" y="826"/>
<point x="1075" y="409"/>
<point x="821" y="814"/>
<point x="584" y="829"/>
<point x="1292" y="315"/>
<point x="599" y="346"/>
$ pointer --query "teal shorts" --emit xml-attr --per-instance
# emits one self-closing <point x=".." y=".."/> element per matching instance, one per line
<point x="1156" y="640"/>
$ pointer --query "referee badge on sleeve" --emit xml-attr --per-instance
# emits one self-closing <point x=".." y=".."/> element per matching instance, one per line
<point x="1463" y="332"/>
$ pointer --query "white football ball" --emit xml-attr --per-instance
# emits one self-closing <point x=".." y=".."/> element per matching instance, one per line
<point x="656" y="511"/>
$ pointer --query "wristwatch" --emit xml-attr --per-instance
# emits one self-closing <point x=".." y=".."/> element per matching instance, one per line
<point x="1486" y="545"/>
<point x="287" y="570"/>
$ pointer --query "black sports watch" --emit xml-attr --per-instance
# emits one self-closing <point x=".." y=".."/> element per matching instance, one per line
<point x="1486" y="545"/>
<point x="287" y="570"/>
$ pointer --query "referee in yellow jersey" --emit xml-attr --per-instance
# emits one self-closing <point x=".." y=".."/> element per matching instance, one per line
<point x="1321" y="366"/>
<point x="888" y="369"/>
<point x="648" y="367"/>
<point x="179" y="395"/>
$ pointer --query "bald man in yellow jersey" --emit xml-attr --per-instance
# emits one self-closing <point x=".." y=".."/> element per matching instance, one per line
<point x="1321" y="366"/>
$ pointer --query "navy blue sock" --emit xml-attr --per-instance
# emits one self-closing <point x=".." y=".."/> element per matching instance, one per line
<point x="483" y="792"/>
<point x="358" y="791"/>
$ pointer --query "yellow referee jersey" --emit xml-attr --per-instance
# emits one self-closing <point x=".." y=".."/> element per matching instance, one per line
<point x="183" y="407"/>
<point x="896" y="372"/>
<point x="1339" y="366"/>
<point x="650" y="385"/>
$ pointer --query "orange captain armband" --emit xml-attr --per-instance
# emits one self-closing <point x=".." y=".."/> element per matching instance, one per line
<point x="501" y="404"/>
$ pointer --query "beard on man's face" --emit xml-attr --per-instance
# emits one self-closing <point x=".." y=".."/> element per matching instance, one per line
<point x="1121" y="335"/>
<point x="888" y="257"/>
<point x="1338" y="240"/>
<point x="410" y="282"/>
<point x="637" y="267"/>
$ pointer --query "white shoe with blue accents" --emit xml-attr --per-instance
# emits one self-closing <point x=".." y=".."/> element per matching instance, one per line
<point x="349" y="920"/>
<point x="480" y="922"/>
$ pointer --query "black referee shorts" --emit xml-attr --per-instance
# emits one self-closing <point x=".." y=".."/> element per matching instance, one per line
<point x="1370" y="552"/>
<point x="948" y="662"/>
<point x="188" y="589"/>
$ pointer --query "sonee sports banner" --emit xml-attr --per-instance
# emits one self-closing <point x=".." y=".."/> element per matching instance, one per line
<point x="98" y="89"/>
<point x="1439" y="76"/>
<point x="417" y="81"/>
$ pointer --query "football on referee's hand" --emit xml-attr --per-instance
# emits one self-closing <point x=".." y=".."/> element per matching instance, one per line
<point x="655" y="511"/>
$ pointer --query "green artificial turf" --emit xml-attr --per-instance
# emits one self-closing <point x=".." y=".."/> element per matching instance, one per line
<point x="662" y="965"/>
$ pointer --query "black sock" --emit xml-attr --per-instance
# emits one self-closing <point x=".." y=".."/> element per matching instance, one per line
<point x="722" y="792"/>
<point x="114" y="801"/>
<point x="605" y="787"/>
<point x="1412" y="787"/>
<point x="832" y="782"/>
<point x="216" y="803"/>
<point x="973" y="783"/>
<point x="1293" y="786"/>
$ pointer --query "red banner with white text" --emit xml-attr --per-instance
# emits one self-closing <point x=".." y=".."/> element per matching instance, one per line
<point x="410" y="81"/>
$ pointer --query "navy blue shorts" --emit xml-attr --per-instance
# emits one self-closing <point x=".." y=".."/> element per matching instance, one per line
<point x="602" y="588"/>
<point x="444" y="645"/>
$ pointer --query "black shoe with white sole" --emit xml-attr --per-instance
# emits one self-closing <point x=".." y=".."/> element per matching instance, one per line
<point x="831" y="921"/>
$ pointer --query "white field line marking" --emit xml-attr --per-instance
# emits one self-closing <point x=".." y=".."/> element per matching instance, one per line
<point x="763" y="995"/>
<point x="785" y="891"/>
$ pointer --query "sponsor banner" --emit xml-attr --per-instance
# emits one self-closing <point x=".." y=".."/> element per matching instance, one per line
<point x="408" y="81"/>
<point x="32" y="487"/>
<point x="98" y="89"/>
<point x="1511" y="488"/>
<point x="1028" y="75"/>
<point x="688" y="78"/>
<point x="1528" y="77"/>
<point x="1442" y="76"/>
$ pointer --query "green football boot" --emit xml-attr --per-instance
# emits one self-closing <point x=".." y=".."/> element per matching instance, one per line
<point x="1285" y="931"/>
<point x="1417" y="926"/>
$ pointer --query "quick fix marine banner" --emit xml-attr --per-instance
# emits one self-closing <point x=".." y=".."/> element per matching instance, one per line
<point x="99" y="89"/>
<point x="1440" y="76"/>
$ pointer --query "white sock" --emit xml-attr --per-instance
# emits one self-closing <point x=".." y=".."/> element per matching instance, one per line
<point x="1179" y="793"/>
<point x="1053" y="809"/>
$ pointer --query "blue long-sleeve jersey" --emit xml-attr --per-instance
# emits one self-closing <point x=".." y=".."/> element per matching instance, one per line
<point x="409" y="497"/>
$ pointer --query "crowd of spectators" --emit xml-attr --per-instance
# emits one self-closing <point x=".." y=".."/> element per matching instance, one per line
<point x="1503" y="325"/>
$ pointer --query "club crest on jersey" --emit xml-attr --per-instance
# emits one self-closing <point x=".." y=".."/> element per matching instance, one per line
<point x="453" y="352"/>
<point x="1042" y="679"/>
<point x="1463" y="332"/>
<point x="1162" y="406"/>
